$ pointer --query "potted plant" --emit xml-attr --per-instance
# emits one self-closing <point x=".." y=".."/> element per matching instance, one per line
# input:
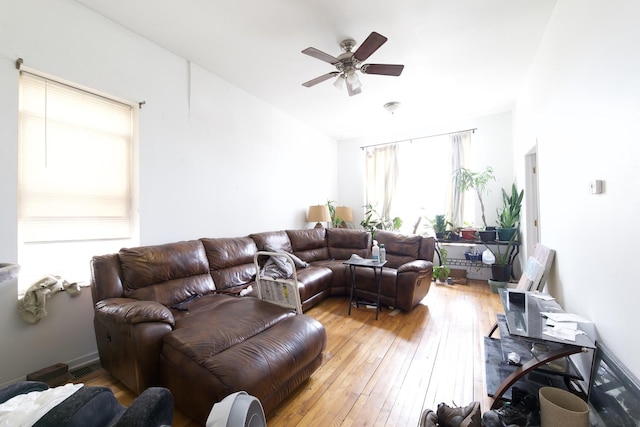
<point x="466" y="179"/>
<point x="439" y="225"/>
<point x="501" y="268"/>
<point x="441" y="272"/>
<point x="336" y="221"/>
<point x="373" y="221"/>
<point x="509" y="215"/>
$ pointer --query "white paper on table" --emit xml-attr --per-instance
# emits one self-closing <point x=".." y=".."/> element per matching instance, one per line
<point x="564" y="325"/>
<point x="563" y="334"/>
<point x="540" y="295"/>
<point x="565" y="317"/>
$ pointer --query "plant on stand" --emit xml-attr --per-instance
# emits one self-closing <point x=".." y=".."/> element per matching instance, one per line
<point x="501" y="268"/>
<point x="509" y="215"/>
<point x="439" y="225"/>
<point x="466" y="179"/>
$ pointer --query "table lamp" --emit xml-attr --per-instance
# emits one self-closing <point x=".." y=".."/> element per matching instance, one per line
<point x="319" y="214"/>
<point x="344" y="213"/>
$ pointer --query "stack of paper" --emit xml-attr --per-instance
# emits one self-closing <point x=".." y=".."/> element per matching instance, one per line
<point x="563" y="325"/>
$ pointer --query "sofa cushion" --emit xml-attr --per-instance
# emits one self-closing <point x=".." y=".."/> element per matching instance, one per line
<point x="167" y="274"/>
<point x="248" y="345"/>
<point x="313" y="280"/>
<point x="277" y="241"/>
<point x="427" y="248"/>
<point x="231" y="260"/>
<point x="401" y="248"/>
<point x="343" y="242"/>
<point x="310" y="244"/>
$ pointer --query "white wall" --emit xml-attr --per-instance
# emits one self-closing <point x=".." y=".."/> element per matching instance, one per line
<point x="207" y="156"/>
<point x="582" y="106"/>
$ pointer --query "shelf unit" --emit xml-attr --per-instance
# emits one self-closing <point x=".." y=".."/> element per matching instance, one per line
<point x="461" y="243"/>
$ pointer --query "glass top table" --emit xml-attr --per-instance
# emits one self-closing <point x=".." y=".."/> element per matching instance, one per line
<point x="523" y="312"/>
<point x="521" y="326"/>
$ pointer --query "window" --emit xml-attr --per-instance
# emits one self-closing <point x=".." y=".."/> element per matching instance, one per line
<point x="424" y="186"/>
<point x="76" y="178"/>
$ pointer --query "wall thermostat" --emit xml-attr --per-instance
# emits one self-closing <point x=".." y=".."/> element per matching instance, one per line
<point x="595" y="186"/>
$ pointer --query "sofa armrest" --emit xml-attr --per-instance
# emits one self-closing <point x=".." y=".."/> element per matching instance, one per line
<point x="133" y="311"/>
<point x="412" y="283"/>
<point x="23" y="387"/>
<point x="418" y="265"/>
<point x="154" y="407"/>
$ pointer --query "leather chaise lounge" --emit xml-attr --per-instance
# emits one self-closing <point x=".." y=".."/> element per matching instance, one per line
<point x="165" y="314"/>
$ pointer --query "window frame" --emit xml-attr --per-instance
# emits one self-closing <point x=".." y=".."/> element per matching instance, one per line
<point x="74" y="254"/>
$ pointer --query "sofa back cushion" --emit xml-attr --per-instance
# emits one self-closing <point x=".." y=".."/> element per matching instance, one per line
<point x="167" y="274"/>
<point x="427" y="248"/>
<point x="272" y="241"/>
<point x="401" y="248"/>
<point x="231" y="260"/>
<point x="106" y="277"/>
<point x="309" y="244"/>
<point x="343" y="242"/>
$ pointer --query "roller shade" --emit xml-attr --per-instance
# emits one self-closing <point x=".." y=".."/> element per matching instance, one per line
<point x="75" y="163"/>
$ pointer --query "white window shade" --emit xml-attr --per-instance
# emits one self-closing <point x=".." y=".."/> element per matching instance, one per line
<point x="75" y="163"/>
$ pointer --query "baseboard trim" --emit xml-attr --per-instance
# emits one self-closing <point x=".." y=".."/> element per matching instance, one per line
<point x="77" y="363"/>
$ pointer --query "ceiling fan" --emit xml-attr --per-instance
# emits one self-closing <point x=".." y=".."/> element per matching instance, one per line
<point x="348" y="63"/>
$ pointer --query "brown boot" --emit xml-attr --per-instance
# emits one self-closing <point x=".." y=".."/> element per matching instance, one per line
<point x="469" y="416"/>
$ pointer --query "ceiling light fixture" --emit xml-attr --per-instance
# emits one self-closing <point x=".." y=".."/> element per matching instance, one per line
<point x="391" y="106"/>
<point x="339" y="83"/>
<point x="354" y="80"/>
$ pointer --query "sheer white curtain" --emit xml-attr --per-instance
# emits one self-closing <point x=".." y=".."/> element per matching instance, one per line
<point x="416" y="182"/>
<point x="460" y="143"/>
<point x="382" y="175"/>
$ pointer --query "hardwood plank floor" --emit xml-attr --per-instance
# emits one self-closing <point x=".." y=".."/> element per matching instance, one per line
<point x="385" y="372"/>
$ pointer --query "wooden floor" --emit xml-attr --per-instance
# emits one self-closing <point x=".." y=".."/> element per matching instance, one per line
<point x="385" y="372"/>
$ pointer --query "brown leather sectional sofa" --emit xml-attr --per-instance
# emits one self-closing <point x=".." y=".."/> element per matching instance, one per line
<point x="164" y="316"/>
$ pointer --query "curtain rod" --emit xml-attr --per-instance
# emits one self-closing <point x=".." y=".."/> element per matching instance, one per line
<point x="472" y="130"/>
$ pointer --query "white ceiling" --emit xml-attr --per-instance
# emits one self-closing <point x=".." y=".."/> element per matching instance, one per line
<point x="463" y="58"/>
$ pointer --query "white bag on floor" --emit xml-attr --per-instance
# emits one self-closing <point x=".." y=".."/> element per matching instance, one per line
<point x="488" y="257"/>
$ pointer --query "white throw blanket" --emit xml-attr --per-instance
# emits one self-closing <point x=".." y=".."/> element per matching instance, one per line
<point x="26" y="409"/>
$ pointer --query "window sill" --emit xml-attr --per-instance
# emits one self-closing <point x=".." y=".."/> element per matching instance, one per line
<point x="8" y="271"/>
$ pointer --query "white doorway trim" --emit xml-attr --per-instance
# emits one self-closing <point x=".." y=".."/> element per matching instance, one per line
<point x="532" y="211"/>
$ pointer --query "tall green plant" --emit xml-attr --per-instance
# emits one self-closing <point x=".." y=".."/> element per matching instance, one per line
<point x="335" y="220"/>
<point x="509" y="215"/>
<point x="468" y="180"/>
<point x="503" y="258"/>
<point x="373" y="221"/>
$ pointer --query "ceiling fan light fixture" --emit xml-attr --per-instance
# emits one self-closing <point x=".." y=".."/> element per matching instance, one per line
<point x="353" y="80"/>
<point x="350" y="62"/>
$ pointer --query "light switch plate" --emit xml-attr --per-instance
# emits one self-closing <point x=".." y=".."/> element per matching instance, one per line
<point x="595" y="186"/>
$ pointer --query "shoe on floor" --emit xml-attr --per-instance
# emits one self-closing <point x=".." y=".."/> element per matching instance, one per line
<point x="523" y="410"/>
<point x="468" y="416"/>
<point x="428" y="419"/>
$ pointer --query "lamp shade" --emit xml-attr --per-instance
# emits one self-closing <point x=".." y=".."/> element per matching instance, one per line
<point x="318" y="213"/>
<point x="344" y="213"/>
